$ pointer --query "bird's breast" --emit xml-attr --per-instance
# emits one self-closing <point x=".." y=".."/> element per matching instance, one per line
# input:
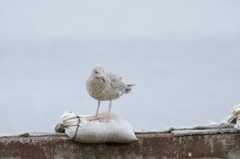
<point x="102" y="91"/>
<point x="97" y="89"/>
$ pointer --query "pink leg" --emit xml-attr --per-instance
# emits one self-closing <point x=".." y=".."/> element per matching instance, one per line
<point x="106" y="119"/>
<point x="96" y="115"/>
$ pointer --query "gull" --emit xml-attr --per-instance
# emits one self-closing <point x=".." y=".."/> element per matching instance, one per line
<point x="105" y="86"/>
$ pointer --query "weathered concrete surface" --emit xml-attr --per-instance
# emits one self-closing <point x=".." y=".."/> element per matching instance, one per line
<point x="152" y="145"/>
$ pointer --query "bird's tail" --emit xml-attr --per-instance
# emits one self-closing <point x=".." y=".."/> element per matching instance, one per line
<point x="131" y="85"/>
<point x="128" y="89"/>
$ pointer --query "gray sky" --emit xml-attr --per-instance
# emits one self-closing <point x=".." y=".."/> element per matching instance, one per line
<point x="120" y="19"/>
<point x="183" y="56"/>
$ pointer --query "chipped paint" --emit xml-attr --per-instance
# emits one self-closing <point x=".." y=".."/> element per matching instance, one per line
<point x="149" y="145"/>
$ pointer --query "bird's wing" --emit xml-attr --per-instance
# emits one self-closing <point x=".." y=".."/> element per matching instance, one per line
<point x="116" y="81"/>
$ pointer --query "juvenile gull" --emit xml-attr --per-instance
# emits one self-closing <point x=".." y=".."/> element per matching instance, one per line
<point x="104" y="86"/>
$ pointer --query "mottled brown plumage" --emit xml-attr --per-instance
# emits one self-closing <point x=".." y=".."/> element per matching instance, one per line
<point x="104" y="86"/>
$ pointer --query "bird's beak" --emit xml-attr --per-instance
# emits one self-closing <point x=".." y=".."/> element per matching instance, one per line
<point x="103" y="79"/>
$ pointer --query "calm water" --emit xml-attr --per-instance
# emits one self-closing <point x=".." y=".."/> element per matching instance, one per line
<point x="179" y="82"/>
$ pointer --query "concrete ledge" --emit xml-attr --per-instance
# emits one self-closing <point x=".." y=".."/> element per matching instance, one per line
<point x="150" y="145"/>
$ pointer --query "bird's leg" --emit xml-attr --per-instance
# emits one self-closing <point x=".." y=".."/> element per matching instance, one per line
<point x="96" y="115"/>
<point x="106" y="119"/>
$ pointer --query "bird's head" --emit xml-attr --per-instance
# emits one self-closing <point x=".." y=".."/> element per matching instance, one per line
<point x="98" y="72"/>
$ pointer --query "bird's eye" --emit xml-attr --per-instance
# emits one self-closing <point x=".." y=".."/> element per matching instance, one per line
<point x="96" y="71"/>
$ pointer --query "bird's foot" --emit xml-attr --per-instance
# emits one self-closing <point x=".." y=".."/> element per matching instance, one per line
<point x="93" y="117"/>
<point x="105" y="119"/>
